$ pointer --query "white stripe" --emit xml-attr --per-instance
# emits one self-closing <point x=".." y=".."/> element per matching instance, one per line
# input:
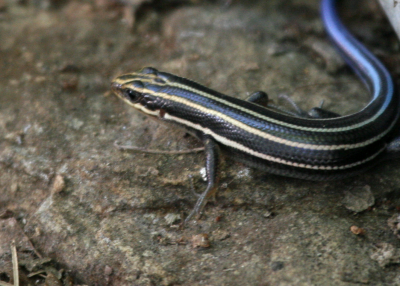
<point x="264" y="134"/>
<point x="249" y="151"/>
<point x="263" y="117"/>
<point x="151" y="78"/>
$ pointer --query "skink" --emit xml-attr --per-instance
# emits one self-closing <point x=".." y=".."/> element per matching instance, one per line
<point x="317" y="146"/>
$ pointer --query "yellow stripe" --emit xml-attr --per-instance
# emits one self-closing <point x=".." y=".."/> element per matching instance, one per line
<point x="256" y="131"/>
<point x="151" y="78"/>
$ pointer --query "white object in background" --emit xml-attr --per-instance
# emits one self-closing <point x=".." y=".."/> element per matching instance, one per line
<point x="392" y="10"/>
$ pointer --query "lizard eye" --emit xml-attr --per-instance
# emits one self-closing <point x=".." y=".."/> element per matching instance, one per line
<point x="132" y="95"/>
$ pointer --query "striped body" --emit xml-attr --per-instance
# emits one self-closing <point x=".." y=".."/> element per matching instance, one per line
<point x="277" y="142"/>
